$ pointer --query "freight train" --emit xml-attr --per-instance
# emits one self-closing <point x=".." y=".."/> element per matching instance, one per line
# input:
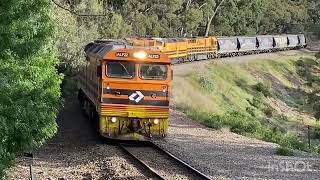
<point x="124" y="90"/>
<point x="125" y="85"/>
<point x="200" y="48"/>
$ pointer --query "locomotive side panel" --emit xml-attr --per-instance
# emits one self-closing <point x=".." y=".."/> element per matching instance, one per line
<point x="202" y="48"/>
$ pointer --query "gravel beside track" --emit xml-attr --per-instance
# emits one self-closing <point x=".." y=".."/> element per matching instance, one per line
<point x="77" y="153"/>
<point x="225" y="155"/>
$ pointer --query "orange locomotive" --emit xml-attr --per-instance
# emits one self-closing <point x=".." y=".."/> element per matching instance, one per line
<point x="125" y="90"/>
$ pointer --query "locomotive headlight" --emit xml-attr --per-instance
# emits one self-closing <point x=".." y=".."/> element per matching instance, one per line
<point x="140" y="55"/>
<point x="164" y="89"/>
<point x="156" y="121"/>
<point x="113" y="119"/>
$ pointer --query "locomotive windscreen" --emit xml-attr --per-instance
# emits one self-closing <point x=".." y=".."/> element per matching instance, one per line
<point x="121" y="69"/>
<point x="153" y="71"/>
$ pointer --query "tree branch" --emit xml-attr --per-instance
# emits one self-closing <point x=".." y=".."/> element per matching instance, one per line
<point x="76" y="14"/>
<point x="212" y="16"/>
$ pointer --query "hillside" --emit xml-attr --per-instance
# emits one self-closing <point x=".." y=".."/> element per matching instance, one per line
<point x="268" y="97"/>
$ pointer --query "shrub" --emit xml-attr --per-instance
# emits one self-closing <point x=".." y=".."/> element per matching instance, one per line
<point x="283" y="118"/>
<point x="300" y="63"/>
<point x="251" y="111"/>
<point x="241" y="123"/>
<point x="285" y="151"/>
<point x="268" y="111"/>
<point x="242" y="83"/>
<point x="205" y="83"/>
<point x="209" y="119"/>
<point x="69" y="86"/>
<point x="257" y="101"/>
<point x="264" y="88"/>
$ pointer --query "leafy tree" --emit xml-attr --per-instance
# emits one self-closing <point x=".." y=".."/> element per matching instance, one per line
<point x="314" y="14"/>
<point x="71" y="34"/>
<point x="115" y="27"/>
<point x="212" y="7"/>
<point x="30" y="84"/>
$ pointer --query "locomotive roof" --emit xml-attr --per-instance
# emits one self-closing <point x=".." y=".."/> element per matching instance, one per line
<point x="100" y="48"/>
<point x="171" y="39"/>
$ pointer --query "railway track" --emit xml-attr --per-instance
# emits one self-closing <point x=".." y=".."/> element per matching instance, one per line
<point x="159" y="163"/>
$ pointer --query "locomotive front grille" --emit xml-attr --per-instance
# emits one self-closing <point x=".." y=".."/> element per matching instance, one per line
<point x="131" y="111"/>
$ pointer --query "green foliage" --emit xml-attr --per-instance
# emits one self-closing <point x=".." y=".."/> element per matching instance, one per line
<point x="69" y="86"/>
<point x="306" y="68"/>
<point x="268" y="111"/>
<point x="181" y="18"/>
<point x="115" y="27"/>
<point x="242" y="83"/>
<point x="285" y="151"/>
<point x="70" y="36"/>
<point x="257" y="102"/>
<point x="30" y="84"/>
<point x="264" y="88"/>
<point x="251" y="111"/>
<point x="205" y="82"/>
<point x="283" y="118"/>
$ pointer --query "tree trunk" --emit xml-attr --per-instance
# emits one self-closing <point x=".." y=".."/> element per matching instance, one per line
<point x="212" y="16"/>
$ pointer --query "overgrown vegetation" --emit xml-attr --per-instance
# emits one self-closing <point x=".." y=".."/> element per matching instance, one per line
<point x="30" y="84"/>
<point x="244" y="94"/>
<point x="284" y="151"/>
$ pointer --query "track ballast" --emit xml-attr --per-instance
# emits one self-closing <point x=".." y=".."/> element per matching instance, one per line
<point x="160" y="163"/>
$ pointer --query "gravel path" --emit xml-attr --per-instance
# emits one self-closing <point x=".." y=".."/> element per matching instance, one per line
<point x="222" y="154"/>
<point x="76" y="153"/>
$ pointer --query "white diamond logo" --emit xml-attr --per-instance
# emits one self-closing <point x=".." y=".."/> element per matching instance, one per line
<point x="137" y="96"/>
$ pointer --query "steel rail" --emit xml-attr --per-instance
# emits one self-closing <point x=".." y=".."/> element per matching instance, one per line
<point x="149" y="144"/>
<point x="150" y="169"/>
<point x="197" y="172"/>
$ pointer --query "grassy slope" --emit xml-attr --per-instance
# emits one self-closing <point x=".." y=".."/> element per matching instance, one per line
<point x="223" y="88"/>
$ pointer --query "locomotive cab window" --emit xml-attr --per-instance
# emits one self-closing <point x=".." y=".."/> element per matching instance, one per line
<point x="153" y="71"/>
<point x="120" y="69"/>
